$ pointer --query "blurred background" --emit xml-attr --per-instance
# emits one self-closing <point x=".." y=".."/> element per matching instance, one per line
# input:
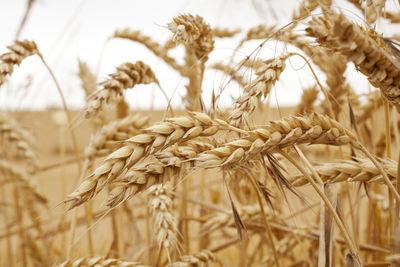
<point x="66" y="31"/>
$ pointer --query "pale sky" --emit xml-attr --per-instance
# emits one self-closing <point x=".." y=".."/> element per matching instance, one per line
<point x="66" y="30"/>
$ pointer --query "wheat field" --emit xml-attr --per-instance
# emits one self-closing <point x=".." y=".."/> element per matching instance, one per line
<point x="204" y="184"/>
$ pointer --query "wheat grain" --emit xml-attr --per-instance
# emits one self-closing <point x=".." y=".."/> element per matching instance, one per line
<point x="109" y="137"/>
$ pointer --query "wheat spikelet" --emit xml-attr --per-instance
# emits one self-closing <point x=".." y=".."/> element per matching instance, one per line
<point x="267" y="74"/>
<point x="194" y="33"/>
<point x="100" y="262"/>
<point x="314" y="129"/>
<point x="357" y="170"/>
<point x="127" y="76"/>
<point x="140" y="178"/>
<point x="136" y="180"/>
<point x="161" y="207"/>
<point x="16" y="142"/>
<point x="200" y="259"/>
<point x="157" y="137"/>
<point x="366" y="49"/>
<point x="109" y="137"/>
<point x="18" y="52"/>
<point x="153" y="46"/>
<point x="308" y="98"/>
<point x="87" y="77"/>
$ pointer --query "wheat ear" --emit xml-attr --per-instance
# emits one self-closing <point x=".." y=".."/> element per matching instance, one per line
<point x="161" y="207"/>
<point x="267" y="74"/>
<point x="365" y="48"/>
<point x="195" y="33"/>
<point x="357" y="170"/>
<point x="312" y="129"/>
<point x="153" y="46"/>
<point x="13" y="138"/>
<point x="127" y="76"/>
<point x="18" y="52"/>
<point x="109" y="137"/>
<point x="155" y="138"/>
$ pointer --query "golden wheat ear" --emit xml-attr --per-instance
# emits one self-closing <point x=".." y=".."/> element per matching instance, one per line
<point x="18" y="52"/>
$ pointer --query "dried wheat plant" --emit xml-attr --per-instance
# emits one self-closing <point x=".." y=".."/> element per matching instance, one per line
<point x="245" y="185"/>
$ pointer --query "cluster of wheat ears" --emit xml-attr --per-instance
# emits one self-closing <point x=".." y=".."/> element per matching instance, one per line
<point x="222" y="187"/>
